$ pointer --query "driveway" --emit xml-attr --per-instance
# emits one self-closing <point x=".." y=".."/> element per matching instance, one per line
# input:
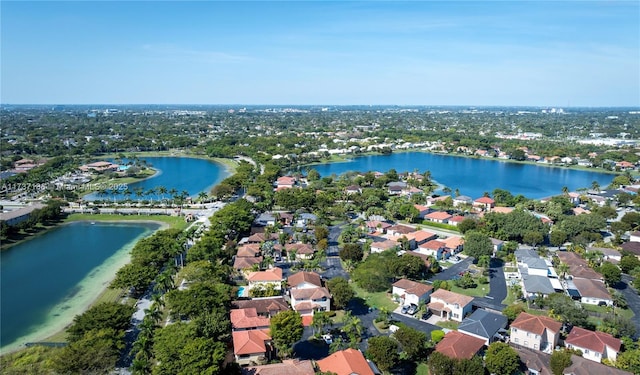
<point x="332" y="266"/>
<point x="498" y="288"/>
<point x="415" y="323"/>
<point x="633" y="300"/>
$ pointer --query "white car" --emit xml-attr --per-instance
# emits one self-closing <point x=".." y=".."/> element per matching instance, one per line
<point x="327" y="338"/>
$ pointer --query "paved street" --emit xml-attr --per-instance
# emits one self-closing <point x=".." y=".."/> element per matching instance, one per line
<point x="418" y="324"/>
<point x="498" y="288"/>
<point x="633" y="300"/>
<point x="452" y="272"/>
<point x="332" y="266"/>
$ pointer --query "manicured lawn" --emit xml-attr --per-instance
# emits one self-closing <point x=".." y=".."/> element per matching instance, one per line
<point x="422" y="369"/>
<point x="377" y="300"/>
<point x="448" y="324"/>
<point x="627" y="313"/>
<point x="479" y="291"/>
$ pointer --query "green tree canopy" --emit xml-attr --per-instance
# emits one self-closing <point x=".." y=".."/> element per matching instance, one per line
<point x="341" y="291"/>
<point x="501" y="359"/>
<point x="286" y="329"/>
<point x="477" y="244"/>
<point x="383" y="351"/>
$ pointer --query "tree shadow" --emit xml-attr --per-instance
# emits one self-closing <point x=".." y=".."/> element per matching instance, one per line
<point x="358" y="306"/>
<point x="311" y="349"/>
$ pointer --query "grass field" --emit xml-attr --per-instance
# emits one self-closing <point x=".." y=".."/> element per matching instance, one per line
<point x="377" y="299"/>
<point x="479" y="291"/>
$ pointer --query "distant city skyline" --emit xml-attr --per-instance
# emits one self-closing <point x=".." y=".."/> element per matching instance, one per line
<point x="502" y="53"/>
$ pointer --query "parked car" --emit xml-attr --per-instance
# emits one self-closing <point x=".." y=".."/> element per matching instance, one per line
<point x="327" y="339"/>
<point x="426" y="315"/>
<point x="405" y="308"/>
<point x="412" y="309"/>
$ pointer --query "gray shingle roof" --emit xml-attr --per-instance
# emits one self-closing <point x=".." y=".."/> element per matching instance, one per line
<point x="483" y="323"/>
<point x="537" y="284"/>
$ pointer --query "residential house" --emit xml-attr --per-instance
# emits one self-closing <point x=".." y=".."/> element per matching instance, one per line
<point x="265" y="306"/>
<point x="438" y="217"/>
<point x="502" y="210"/>
<point x="454" y="244"/>
<point x="301" y="250"/>
<point x="243" y="263"/>
<point x="433" y="200"/>
<point x="248" y="250"/>
<point x="266" y="279"/>
<point x="265" y="219"/>
<point x="497" y="245"/>
<point x="399" y="230"/>
<point x="377" y="226"/>
<point x="246" y="319"/>
<point x="411" y="292"/>
<point x="534" y="362"/>
<point x="422" y="210"/>
<point x="594" y="345"/>
<point x="252" y="347"/>
<point x="353" y="189"/>
<point x="455" y="220"/>
<point x="578" y="267"/>
<point x="535" y="332"/>
<point x="462" y="200"/>
<point x="632" y="247"/>
<point x="15" y="217"/>
<point x="450" y="305"/>
<point x="609" y="255"/>
<point x="534" y="285"/>
<point x="307" y="293"/>
<point x="484" y="203"/>
<point x="262" y="237"/>
<point x="287" y="367"/>
<point x="457" y="345"/>
<point x="634" y="236"/>
<point x="592" y="292"/>
<point x="378" y="247"/>
<point x="285" y="182"/>
<point x="419" y="237"/>
<point x="534" y="266"/>
<point x="347" y="362"/>
<point x="434" y="248"/>
<point x="582" y="366"/>
<point x="484" y="325"/>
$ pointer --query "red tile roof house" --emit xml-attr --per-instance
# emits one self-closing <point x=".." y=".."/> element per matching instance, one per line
<point x="592" y="292"/>
<point x="248" y="250"/>
<point x="265" y="306"/>
<point x="266" y="278"/>
<point x="246" y="319"/>
<point x="399" y="230"/>
<point x="347" y="362"/>
<point x="450" y="305"/>
<point x="285" y="182"/>
<point x="439" y="217"/>
<point x="377" y="226"/>
<point x="422" y="210"/>
<point x="455" y="220"/>
<point x="287" y="367"/>
<point x="484" y="203"/>
<point x="578" y="267"/>
<point x="378" y="247"/>
<point x="308" y="294"/>
<point x="302" y="250"/>
<point x="535" y="332"/>
<point x="410" y="292"/>
<point x="420" y="237"/>
<point x="434" y="248"/>
<point x="595" y="346"/>
<point x="459" y="346"/>
<point x="252" y="347"/>
<point x="243" y="263"/>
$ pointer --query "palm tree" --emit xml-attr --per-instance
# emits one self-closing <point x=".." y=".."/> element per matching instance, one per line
<point x="565" y="190"/>
<point x="563" y="269"/>
<point x="320" y="320"/>
<point x="174" y="194"/>
<point x="352" y="327"/>
<point x="162" y="190"/>
<point x="202" y="196"/>
<point x="595" y="186"/>
<point x="139" y="192"/>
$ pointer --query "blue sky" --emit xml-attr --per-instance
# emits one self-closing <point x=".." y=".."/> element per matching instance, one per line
<point x="304" y="52"/>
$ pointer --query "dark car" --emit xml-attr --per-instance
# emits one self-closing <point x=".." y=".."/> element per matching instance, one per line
<point x="426" y="315"/>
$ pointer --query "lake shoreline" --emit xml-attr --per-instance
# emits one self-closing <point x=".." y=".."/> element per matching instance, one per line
<point x="119" y="259"/>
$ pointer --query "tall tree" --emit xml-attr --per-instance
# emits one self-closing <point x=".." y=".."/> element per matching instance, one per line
<point x="383" y="351"/>
<point x="501" y="359"/>
<point x="286" y="329"/>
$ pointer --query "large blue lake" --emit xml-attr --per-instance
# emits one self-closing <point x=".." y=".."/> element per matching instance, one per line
<point x="46" y="281"/>
<point x="180" y="173"/>
<point x="475" y="176"/>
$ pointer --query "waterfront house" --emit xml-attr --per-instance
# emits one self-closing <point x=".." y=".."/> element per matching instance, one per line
<point x="484" y="203"/>
<point x="535" y="332"/>
<point x="594" y="346"/>
<point x="462" y="200"/>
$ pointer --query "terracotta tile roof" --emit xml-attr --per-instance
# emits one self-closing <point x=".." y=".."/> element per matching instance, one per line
<point x="535" y="324"/>
<point x="578" y="267"/>
<point x="451" y="297"/>
<point x="304" y="276"/>
<point x="485" y="200"/>
<point x="460" y="346"/>
<point x="263" y="306"/>
<point x="595" y="341"/>
<point x="433" y="245"/>
<point x="287" y="367"/>
<point x="453" y="242"/>
<point x="502" y="210"/>
<point x="272" y="274"/>
<point x="403" y="229"/>
<point x="420" y="235"/>
<point x="438" y="306"/>
<point x="248" y="318"/>
<point x="300" y="248"/>
<point x="261" y="237"/>
<point x="241" y="263"/>
<point x="413" y="287"/>
<point x="438" y="215"/>
<point x="421" y="208"/>
<point x="303" y="306"/>
<point x="385" y="245"/>
<point x="345" y="362"/>
<point x="248" y="250"/>
<point x="250" y="342"/>
<point x="591" y="288"/>
<point x="457" y="219"/>
<point x="378" y="224"/>
<point x="309" y="293"/>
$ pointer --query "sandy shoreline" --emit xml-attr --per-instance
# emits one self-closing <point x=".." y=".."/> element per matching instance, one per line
<point x="89" y="289"/>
